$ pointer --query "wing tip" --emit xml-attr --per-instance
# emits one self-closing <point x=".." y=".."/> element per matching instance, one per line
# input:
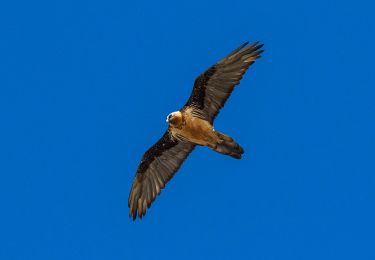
<point x="244" y="44"/>
<point x="254" y="50"/>
<point x="256" y="46"/>
<point x="135" y="203"/>
<point x="134" y="213"/>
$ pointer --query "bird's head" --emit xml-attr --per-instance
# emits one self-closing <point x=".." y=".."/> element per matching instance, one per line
<point x="174" y="118"/>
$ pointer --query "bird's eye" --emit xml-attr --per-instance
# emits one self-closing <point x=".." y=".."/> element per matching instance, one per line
<point x="170" y="115"/>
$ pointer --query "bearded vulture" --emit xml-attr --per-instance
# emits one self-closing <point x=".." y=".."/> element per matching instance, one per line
<point x="191" y="126"/>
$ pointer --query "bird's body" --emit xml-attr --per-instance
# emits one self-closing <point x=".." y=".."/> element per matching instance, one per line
<point x="191" y="126"/>
<point x="193" y="129"/>
<point x="185" y="126"/>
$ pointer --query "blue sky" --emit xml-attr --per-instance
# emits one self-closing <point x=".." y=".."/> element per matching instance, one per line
<point x="85" y="87"/>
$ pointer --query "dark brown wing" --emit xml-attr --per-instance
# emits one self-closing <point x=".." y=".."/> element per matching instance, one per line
<point x="214" y="86"/>
<point x="157" y="167"/>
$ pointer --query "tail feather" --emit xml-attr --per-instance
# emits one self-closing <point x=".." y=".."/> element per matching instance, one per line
<point x="228" y="146"/>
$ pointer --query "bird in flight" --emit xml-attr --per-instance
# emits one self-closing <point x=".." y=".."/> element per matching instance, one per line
<point x="192" y="126"/>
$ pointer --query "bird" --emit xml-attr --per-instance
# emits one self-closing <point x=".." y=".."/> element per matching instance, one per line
<point x="192" y="126"/>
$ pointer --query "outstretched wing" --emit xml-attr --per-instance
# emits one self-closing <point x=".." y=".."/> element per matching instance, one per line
<point x="214" y="86"/>
<point x="157" y="167"/>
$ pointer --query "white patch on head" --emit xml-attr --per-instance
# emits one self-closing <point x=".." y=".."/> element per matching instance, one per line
<point x="166" y="120"/>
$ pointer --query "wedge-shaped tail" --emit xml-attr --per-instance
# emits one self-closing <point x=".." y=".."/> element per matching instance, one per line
<point x="226" y="145"/>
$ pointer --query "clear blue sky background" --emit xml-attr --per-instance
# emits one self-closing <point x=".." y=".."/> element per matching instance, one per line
<point x="85" y="87"/>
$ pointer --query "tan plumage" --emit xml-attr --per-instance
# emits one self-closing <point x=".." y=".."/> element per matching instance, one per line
<point x="191" y="126"/>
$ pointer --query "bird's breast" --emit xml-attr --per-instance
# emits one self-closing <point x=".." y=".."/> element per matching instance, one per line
<point x="196" y="130"/>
